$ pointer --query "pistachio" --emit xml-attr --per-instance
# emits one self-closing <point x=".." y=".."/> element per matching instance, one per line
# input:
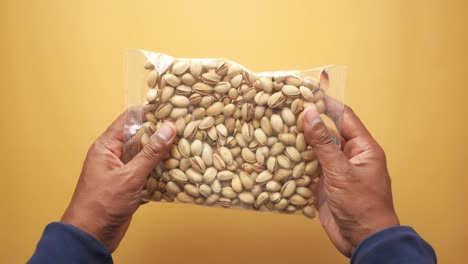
<point x="163" y="111"/>
<point x="206" y="123"/>
<point x="228" y="192"/>
<point x="178" y="175"/>
<point x="226" y="155"/>
<point x="171" y="79"/>
<point x="240" y="135"/>
<point x="205" y="190"/>
<point x="304" y="192"/>
<point x="180" y="101"/>
<point x="288" y="116"/>
<point x="281" y="204"/>
<point x="202" y="88"/>
<point x="215" y="109"/>
<point x="308" y="211"/>
<point x="197" y="164"/>
<point x="180" y="67"/>
<point x="153" y="78"/>
<point x="248" y="155"/>
<point x="297" y="200"/>
<point x="216" y="186"/>
<point x="212" y="199"/>
<point x="236" y="80"/>
<point x="247" y="198"/>
<point x="276" y="100"/>
<point x="193" y="175"/>
<point x="148" y="65"/>
<point x="293" y="80"/>
<point x="192" y="190"/>
<point x="196" y="68"/>
<point x="273" y="186"/>
<point x="264" y="177"/>
<point x="288" y="189"/>
<point x="172" y="188"/>
<point x="209" y="175"/>
<point x="184" y="197"/>
<point x="225" y="175"/>
<point x="210" y="78"/>
<point x="293" y="154"/>
<point x="188" y="79"/>
<point x="290" y="90"/>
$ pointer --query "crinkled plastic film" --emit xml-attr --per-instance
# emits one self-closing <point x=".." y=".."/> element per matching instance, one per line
<point x="239" y="134"/>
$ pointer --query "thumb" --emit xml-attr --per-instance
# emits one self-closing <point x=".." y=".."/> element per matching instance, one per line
<point x="154" y="152"/>
<point x="322" y="141"/>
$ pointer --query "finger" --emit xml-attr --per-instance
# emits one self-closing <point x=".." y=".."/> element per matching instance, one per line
<point x="115" y="131"/>
<point x="149" y="157"/>
<point x="132" y="146"/>
<point x="322" y="141"/>
<point x="352" y="126"/>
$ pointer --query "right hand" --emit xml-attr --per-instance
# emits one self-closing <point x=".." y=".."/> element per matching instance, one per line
<point x="355" y="197"/>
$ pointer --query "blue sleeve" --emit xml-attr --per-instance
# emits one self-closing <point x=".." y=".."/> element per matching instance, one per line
<point x="398" y="244"/>
<point x="63" y="243"/>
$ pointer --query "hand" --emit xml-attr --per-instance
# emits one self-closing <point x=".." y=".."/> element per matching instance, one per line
<point x="355" y="198"/>
<point x="108" y="191"/>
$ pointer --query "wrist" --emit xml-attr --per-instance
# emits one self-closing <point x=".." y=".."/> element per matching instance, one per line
<point x="377" y="224"/>
<point x="85" y="223"/>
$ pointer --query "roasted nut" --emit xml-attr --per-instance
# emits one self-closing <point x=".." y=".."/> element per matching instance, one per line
<point x="240" y="136"/>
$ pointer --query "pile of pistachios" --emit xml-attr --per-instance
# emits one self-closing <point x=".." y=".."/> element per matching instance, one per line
<point x="240" y="137"/>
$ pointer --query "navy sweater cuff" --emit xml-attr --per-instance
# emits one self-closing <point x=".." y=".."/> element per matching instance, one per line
<point x="398" y="244"/>
<point x="64" y="243"/>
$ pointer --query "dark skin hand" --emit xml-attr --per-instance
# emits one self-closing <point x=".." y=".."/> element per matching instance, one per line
<point x="355" y="197"/>
<point x="108" y="191"/>
<point x="354" y="200"/>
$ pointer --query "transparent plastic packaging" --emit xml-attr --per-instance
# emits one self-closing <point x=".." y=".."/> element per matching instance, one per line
<point x="240" y="142"/>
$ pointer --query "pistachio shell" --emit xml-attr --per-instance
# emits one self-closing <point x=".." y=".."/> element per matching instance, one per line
<point x="236" y="184"/>
<point x="196" y="147"/>
<point x="206" y="123"/>
<point x="225" y="175"/>
<point x="248" y="155"/>
<point x="288" y="189"/>
<point x="304" y="192"/>
<point x="205" y="190"/>
<point x="290" y="90"/>
<point x="288" y="116"/>
<point x="180" y="101"/>
<point x="293" y="80"/>
<point x="247" y="198"/>
<point x="246" y="181"/>
<point x="308" y="211"/>
<point x="210" y="175"/>
<point x="184" y="197"/>
<point x="196" y="68"/>
<point x="192" y="190"/>
<point x="264" y="177"/>
<point x="178" y="175"/>
<point x="273" y="186"/>
<point x="153" y="77"/>
<point x="180" y="67"/>
<point x="276" y="123"/>
<point x="171" y="79"/>
<point x="215" y="109"/>
<point x="172" y="188"/>
<point x="226" y="155"/>
<point x="298" y="200"/>
<point x="193" y="176"/>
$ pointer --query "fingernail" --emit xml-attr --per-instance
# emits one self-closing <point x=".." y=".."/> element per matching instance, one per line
<point x="165" y="133"/>
<point x="312" y="115"/>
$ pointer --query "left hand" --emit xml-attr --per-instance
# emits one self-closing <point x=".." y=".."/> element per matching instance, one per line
<point x="108" y="191"/>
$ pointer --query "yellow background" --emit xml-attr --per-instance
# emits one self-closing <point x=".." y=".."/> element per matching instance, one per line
<point x="62" y="84"/>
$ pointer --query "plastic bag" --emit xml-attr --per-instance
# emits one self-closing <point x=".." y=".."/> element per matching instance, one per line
<point x="240" y="142"/>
